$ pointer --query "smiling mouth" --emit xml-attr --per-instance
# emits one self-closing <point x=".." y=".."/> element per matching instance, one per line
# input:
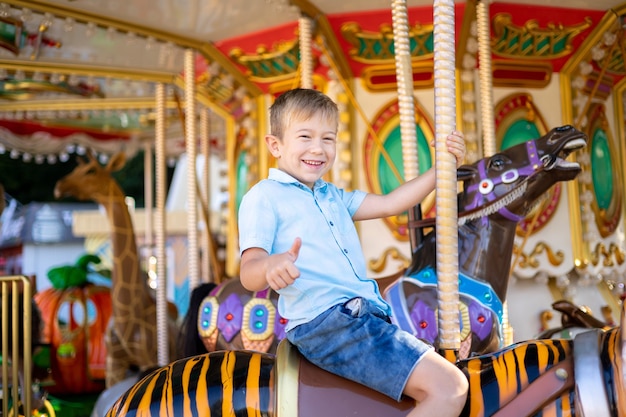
<point x="314" y="163"/>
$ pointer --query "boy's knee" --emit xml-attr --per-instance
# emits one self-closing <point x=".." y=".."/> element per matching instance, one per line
<point x="459" y="388"/>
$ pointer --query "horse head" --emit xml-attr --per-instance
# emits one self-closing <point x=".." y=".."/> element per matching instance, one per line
<point x="511" y="181"/>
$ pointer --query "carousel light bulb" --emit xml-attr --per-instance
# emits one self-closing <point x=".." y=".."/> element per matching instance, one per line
<point x="51" y="159"/>
<point x="90" y="30"/>
<point x="64" y="157"/>
<point x="48" y="20"/>
<point x="5" y="10"/>
<point x="597" y="53"/>
<point x="26" y="157"/>
<point x="26" y="15"/>
<point x="68" y="25"/>
<point x="14" y="154"/>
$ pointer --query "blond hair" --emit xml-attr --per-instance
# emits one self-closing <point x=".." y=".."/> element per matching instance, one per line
<point x="300" y="104"/>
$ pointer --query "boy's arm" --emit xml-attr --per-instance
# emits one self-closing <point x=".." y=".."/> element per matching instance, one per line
<point x="258" y="269"/>
<point x="410" y="193"/>
<point x="407" y="195"/>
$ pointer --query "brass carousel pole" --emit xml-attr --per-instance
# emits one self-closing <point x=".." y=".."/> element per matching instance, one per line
<point x="191" y="150"/>
<point x="406" y="104"/>
<point x="446" y="185"/>
<point x="306" y="58"/>
<point x="487" y="116"/>
<point x="160" y="227"/>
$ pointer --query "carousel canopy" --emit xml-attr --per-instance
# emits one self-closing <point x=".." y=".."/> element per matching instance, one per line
<point x="82" y="73"/>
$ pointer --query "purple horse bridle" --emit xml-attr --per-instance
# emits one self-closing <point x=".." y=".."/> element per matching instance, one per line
<point x="486" y="185"/>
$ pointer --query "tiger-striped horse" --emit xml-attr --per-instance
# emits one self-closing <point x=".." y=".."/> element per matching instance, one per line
<point x="543" y="378"/>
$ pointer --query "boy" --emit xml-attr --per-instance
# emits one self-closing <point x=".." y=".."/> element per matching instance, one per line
<point x="297" y="236"/>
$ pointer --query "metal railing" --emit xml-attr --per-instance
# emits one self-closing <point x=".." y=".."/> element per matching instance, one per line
<point x="16" y="295"/>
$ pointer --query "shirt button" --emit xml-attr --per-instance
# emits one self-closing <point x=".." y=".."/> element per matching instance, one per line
<point x="332" y="224"/>
<point x="345" y="251"/>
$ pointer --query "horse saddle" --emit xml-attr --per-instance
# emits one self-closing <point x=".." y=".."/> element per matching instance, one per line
<point x="301" y="385"/>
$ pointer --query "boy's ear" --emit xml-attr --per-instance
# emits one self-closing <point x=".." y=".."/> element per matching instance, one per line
<point x="273" y="145"/>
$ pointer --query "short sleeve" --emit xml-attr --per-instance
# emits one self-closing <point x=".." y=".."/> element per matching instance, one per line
<point x="256" y="221"/>
<point x="353" y="200"/>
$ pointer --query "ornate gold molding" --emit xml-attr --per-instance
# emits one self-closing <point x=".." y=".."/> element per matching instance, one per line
<point x="608" y="256"/>
<point x="529" y="260"/>
<point x="270" y="65"/>
<point x="378" y="265"/>
<point x="531" y="41"/>
<point x="377" y="47"/>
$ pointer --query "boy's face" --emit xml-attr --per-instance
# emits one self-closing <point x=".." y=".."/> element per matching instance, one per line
<point x="307" y="149"/>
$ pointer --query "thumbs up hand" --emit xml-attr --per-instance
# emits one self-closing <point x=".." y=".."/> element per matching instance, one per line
<point x="281" y="269"/>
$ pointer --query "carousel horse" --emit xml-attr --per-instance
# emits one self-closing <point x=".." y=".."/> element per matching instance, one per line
<point x="580" y="377"/>
<point x="574" y="320"/>
<point x="498" y="193"/>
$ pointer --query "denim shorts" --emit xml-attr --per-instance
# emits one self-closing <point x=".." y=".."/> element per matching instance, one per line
<point x="357" y="341"/>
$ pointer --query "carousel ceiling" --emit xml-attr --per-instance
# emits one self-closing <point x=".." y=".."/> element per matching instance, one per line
<point x="82" y="73"/>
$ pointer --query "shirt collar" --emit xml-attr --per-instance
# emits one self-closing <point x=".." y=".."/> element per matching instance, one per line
<point x="281" y="176"/>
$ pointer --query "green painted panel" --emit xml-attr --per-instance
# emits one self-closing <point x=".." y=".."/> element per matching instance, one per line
<point x="602" y="169"/>
<point x="519" y="132"/>
<point x="393" y="147"/>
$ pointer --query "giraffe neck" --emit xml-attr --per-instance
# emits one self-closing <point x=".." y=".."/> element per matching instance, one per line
<point x="130" y="300"/>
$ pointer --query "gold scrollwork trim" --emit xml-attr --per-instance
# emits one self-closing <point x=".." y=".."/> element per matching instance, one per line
<point x="608" y="256"/>
<point x="377" y="265"/>
<point x="531" y="41"/>
<point x="377" y="47"/>
<point x="529" y="260"/>
<point x="275" y="65"/>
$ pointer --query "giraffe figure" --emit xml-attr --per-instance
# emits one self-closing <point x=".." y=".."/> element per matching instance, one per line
<point x="131" y="335"/>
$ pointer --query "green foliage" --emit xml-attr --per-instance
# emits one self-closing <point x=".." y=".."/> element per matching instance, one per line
<point x="69" y="276"/>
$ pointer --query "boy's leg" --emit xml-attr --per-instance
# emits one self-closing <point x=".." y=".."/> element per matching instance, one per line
<point x="438" y="386"/>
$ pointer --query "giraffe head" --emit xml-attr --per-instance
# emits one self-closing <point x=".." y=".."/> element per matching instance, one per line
<point x="90" y="180"/>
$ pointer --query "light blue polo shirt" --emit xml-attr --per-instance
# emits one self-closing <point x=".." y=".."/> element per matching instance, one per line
<point x="332" y="267"/>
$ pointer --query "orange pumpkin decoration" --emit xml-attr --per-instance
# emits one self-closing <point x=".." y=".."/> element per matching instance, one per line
<point x="75" y="318"/>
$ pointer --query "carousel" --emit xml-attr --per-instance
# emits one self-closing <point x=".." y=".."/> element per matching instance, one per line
<point x="530" y="256"/>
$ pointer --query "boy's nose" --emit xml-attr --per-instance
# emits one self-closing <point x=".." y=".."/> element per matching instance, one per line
<point x="316" y="146"/>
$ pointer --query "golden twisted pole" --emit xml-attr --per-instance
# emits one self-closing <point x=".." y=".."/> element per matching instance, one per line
<point x="485" y="78"/>
<point x="446" y="184"/>
<point x="191" y="150"/>
<point x="404" y="83"/>
<point x="485" y="75"/>
<point x="306" y="58"/>
<point x="160" y="228"/>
